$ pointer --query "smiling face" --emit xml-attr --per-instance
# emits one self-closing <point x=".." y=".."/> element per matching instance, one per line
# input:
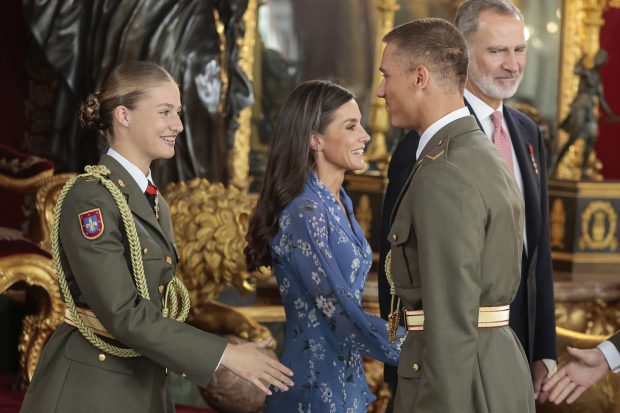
<point x="151" y="128"/>
<point x="497" y="57"/>
<point x="341" y="146"/>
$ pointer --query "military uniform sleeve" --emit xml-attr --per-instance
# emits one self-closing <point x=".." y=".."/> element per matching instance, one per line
<point x="449" y="221"/>
<point x="101" y="268"/>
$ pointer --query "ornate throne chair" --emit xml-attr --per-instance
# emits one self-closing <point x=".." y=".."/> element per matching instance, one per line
<point x="210" y="222"/>
<point x="26" y="270"/>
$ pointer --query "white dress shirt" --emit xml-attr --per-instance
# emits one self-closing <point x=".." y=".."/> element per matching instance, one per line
<point x="438" y="124"/>
<point x="612" y="355"/>
<point x="133" y="170"/>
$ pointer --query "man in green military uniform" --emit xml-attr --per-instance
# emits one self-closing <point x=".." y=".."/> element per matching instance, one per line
<point x="456" y="237"/>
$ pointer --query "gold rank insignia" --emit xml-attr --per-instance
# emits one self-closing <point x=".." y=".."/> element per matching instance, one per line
<point x="433" y="157"/>
<point x="121" y="183"/>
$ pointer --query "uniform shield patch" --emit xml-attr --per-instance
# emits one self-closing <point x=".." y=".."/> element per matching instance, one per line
<point x="91" y="223"/>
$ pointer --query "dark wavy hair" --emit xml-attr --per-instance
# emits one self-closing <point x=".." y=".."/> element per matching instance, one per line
<point x="308" y="109"/>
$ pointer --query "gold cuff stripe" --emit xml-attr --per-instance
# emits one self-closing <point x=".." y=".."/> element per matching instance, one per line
<point x="496" y="316"/>
<point x="90" y="320"/>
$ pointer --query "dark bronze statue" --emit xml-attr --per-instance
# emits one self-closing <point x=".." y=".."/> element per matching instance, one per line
<point x="581" y="121"/>
<point x="83" y="40"/>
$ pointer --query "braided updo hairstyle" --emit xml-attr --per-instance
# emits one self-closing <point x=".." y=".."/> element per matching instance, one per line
<point x="125" y="85"/>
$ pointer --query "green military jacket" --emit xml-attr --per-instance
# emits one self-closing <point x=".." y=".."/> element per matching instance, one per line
<point x="72" y="375"/>
<point x="456" y="239"/>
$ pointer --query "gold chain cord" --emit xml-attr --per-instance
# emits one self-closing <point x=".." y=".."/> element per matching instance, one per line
<point x="174" y="289"/>
<point x="394" y="316"/>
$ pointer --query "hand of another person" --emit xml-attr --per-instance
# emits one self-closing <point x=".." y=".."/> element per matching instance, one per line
<point x="249" y="362"/>
<point x="577" y="376"/>
<point x="539" y="377"/>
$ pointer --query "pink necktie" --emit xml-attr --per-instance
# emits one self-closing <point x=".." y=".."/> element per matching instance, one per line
<point x="501" y="139"/>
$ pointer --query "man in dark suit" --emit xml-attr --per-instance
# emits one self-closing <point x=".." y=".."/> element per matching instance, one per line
<point x="493" y="30"/>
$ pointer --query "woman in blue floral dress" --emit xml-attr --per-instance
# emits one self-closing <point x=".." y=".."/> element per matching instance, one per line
<point x="303" y="226"/>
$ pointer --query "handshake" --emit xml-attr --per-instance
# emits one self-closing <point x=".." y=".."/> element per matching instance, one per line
<point x="574" y="378"/>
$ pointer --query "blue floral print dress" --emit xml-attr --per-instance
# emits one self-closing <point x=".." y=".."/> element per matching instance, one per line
<point x="321" y="259"/>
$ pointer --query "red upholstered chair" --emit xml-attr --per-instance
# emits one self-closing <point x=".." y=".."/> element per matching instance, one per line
<point x="26" y="270"/>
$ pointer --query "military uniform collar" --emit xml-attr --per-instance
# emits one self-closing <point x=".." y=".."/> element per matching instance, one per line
<point x="138" y="203"/>
<point x="132" y="169"/>
<point x="438" y="125"/>
<point x="453" y="129"/>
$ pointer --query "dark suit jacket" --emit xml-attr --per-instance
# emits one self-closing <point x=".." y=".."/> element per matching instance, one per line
<point x="615" y="340"/>
<point x="72" y="375"/>
<point x="534" y="303"/>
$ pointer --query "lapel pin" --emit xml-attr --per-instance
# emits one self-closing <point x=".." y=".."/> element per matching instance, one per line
<point x="121" y="183"/>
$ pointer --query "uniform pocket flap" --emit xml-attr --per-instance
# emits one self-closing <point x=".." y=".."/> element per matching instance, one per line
<point x="81" y="351"/>
<point x="399" y="232"/>
<point x="410" y="363"/>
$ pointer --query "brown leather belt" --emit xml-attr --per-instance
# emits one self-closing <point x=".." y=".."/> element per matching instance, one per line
<point x="90" y="319"/>
<point x="497" y="316"/>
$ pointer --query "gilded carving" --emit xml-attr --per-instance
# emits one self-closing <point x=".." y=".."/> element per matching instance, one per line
<point x="47" y="195"/>
<point x="363" y="214"/>
<point x="210" y="222"/>
<point x="374" y="375"/>
<point x="558" y="223"/>
<point x="581" y="24"/>
<point x="379" y="123"/>
<point x="598" y="227"/>
<point x="597" y="317"/>
<point x="34" y="270"/>
<point x="238" y="160"/>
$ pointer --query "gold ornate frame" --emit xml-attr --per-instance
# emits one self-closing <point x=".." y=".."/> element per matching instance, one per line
<point x="581" y="26"/>
<point x="36" y="271"/>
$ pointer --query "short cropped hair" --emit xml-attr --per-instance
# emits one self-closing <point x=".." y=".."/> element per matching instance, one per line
<point x="435" y="43"/>
<point x="468" y="13"/>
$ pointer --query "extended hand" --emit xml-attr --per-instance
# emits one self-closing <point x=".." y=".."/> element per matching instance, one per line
<point x="539" y="377"/>
<point x="577" y="376"/>
<point x="249" y="362"/>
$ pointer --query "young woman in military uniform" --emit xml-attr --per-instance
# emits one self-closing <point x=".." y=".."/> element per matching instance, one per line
<point x="115" y="255"/>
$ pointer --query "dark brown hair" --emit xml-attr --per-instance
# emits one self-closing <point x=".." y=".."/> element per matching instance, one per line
<point x="308" y="109"/>
<point x="125" y="85"/>
<point x="435" y="43"/>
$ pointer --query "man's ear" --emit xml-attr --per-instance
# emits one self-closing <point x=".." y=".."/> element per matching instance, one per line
<point x="421" y="77"/>
<point x="121" y="114"/>
<point x="316" y="142"/>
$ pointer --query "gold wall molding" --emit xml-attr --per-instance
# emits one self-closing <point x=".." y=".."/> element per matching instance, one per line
<point x="599" y="223"/>
<point x="558" y="223"/>
<point x="363" y="214"/>
<point x="379" y="122"/>
<point x="239" y="157"/>
<point x="581" y="26"/>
